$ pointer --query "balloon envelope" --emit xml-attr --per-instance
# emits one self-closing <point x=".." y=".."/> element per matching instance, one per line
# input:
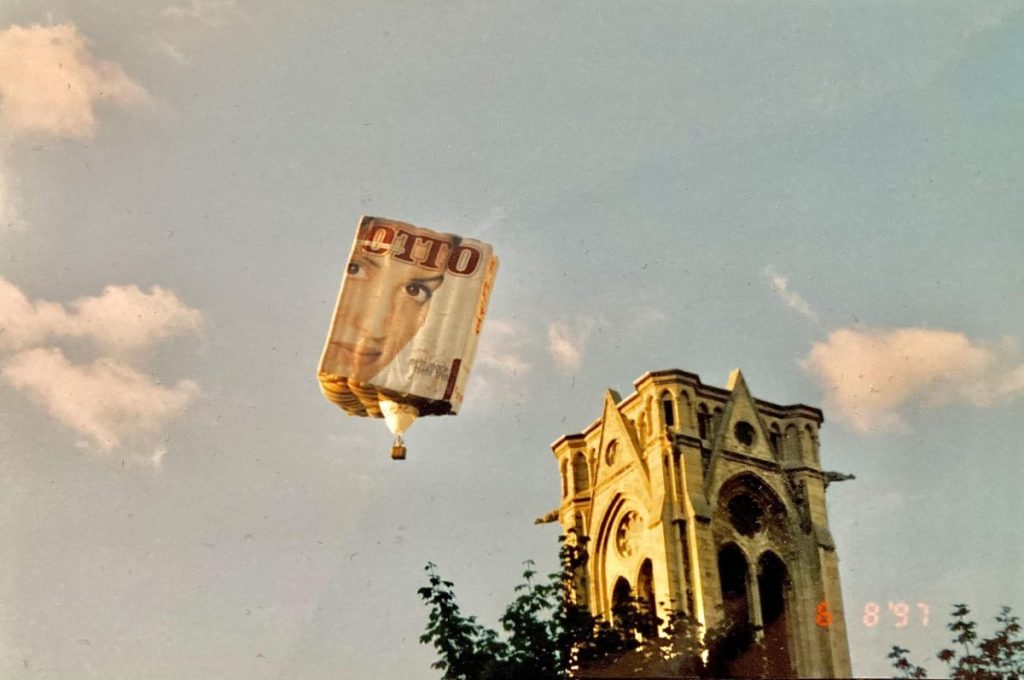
<point x="406" y="324"/>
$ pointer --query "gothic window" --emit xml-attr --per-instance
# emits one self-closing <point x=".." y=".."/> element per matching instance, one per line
<point x="642" y="420"/>
<point x="668" y="409"/>
<point x="746" y="515"/>
<point x="611" y="452"/>
<point x="811" y="443"/>
<point x="685" y="416"/>
<point x="773" y="586"/>
<point x="627" y="536"/>
<point x="716" y="421"/>
<point x="645" y="593"/>
<point x="775" y="438"/>
<point x="622" y="599"/>
<point x="565" y="479"/>
<point x="792" y="444"/>
<point x="580" y="474"/>
<point x="732" y="573"/>
<point x="703" y="422"/>
<point x="745" y="433"/>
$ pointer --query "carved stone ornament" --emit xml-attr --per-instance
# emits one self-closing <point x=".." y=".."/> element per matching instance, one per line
<point x="627" y="536"/>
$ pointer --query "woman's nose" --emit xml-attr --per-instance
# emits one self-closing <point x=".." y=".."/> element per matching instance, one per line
<point x="373" y="322"/>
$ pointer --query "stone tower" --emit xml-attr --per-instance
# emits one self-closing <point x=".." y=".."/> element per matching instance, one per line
<point x="712" y="502"/>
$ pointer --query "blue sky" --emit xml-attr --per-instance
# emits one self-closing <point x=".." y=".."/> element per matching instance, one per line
<point x="826" y="195"/>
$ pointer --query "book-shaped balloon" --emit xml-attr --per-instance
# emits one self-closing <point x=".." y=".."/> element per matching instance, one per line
<point x="406" y="325"/>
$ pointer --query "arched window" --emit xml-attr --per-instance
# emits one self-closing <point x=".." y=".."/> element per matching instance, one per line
<point x="716" y="421"/>
<point x="668" y="409"/>
<point x="685" y="415"/>
<point x="622" y="601"/>
<point x="611" y="452"/>
<point x="703" y="422"/>
<point x="775" y="438"/>
<point x="811" y="444"/>
<point x="565" y="478"/>
<point x="792" y="446"/>
<point x="746" y="515"/>
<point x="645" y="586"/>
<point x="773" y="586"/>
<point x="732" y="572"/>
<point x="642" y="424"/>
<point x="580" y="474"/>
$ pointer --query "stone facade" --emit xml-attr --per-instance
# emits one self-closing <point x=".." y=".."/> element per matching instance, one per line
<point x="708" y="501"/>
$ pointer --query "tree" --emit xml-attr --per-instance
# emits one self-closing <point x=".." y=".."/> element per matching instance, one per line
<point x="1000" y="657"/>
<point x="547" y="635"/>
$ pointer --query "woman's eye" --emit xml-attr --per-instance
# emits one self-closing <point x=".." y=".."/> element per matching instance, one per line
<point x="356" y="270"/>
<point x="418" y="292"/>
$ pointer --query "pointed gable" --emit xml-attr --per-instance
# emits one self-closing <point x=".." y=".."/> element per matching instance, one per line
<point x="741" y="430"/>
<point x="615" y="428"/>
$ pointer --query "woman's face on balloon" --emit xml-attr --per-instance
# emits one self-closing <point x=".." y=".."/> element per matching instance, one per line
<point x="384" y="304"/>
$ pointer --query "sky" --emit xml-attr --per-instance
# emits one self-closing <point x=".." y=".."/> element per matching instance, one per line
<point x="826" y="195"/>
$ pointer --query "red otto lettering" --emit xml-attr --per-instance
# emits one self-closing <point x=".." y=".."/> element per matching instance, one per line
<point x="464" y="260"/>
<point x="422" y="249"/>
<point x="377" y="239"/>
<point x="417" y="242"/>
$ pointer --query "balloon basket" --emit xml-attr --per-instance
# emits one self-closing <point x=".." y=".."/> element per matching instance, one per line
<point x="398" y="449"/>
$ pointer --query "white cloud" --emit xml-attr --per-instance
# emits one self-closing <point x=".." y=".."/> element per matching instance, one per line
<point x="871" y="375"/>
<point x="501" y="347"/>
<point x="125" y="318"/>
<point x="500" y="363"/>
<point x="106" y="402"/>
<point x="122" y="318"/>
<point x="50" y="82"/>
<point x="207" y="12"/>
<point x="109" y="402"/>
<point x="793" y="300"/>
<point x="566" y="341"/>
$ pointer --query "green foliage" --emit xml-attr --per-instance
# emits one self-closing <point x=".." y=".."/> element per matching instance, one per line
<point x="901" y="663"/>
<point x="465" y="647"/>
<point x="1000" y="657"/>
<point x="547" y="635"/>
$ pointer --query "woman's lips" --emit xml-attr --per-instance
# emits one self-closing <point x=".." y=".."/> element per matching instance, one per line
<point x="360" y="356"/>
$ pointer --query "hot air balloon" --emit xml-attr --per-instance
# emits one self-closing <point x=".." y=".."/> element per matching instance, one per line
<point x="406" y="325"/>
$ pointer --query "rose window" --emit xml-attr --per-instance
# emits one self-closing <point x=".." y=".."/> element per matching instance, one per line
<point x="627" y="536"/>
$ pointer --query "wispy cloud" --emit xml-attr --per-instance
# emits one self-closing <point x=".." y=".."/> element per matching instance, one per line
<point x="207" y="12"/>
<point x="51" y="83"/>
<point x="107" y="402"/>
<point x="111" y="402"/>
<point x="871" y="375"/>
<point x="567" y="340"/>
<point x="122" y="318"/>
<point x="166" y="47"/>
<point x="646" y="319"/>
<point x="500" y="363"/>
<point x="793" y="300"/>
<point x="501" y="347"/>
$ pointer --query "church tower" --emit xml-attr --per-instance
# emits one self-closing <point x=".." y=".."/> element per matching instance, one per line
<point x="711" y="502"/>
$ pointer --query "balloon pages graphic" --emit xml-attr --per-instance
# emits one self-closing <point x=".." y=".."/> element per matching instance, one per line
<point x="405" y="328"/>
